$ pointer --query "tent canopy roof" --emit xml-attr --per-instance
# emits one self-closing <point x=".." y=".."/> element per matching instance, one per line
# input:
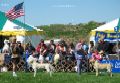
<point x="109" y="26"/>
<point x="16" y="27"/>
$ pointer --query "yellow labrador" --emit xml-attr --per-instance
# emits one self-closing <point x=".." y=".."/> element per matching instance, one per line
<point x="107" y="66"/>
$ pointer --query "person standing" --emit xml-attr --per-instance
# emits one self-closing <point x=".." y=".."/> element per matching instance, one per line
<point x="28" y="51"/>
<point x="15" y="56"/>
<point x="79" y="56"/>
<point x="51" y="51"/>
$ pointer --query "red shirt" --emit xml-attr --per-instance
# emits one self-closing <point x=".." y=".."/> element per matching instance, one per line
<point x="41" y="48"/>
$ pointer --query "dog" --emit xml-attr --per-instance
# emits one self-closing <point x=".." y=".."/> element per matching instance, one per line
<point x="98" y="66"/>
<point x="36" y="65"/>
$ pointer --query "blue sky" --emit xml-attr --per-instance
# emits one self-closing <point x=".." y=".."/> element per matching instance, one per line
<point x="42" y="12"/>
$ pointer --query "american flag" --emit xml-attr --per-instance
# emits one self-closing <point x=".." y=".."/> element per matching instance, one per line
<point x="15" y="12"/>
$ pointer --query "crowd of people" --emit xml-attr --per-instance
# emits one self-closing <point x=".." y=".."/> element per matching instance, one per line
<point x="55" y="52"/>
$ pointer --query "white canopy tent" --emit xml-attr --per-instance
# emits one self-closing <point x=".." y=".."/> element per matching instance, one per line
<point x="107" y="28"/>
<point x="23" y="32"/>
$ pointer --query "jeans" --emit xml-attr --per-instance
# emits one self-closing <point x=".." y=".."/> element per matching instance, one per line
<point x="50" y="57"/>
<point x="78" y="57"/>
<point x="26" y="64"/>
<point x="79" y="66"/>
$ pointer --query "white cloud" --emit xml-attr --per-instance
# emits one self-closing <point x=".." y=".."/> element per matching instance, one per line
<point x="64" y="6"/>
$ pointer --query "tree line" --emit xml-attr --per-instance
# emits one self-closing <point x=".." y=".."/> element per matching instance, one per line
<point x="69" y="31"/>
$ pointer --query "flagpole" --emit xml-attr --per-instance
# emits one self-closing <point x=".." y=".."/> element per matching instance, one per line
<point x="25" y="52"/>
<point x="24" y="12"/>
<point x="24" y="23"/>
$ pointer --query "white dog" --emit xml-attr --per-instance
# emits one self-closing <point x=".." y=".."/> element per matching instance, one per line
<point x="98" y="66"/>
<point x="35" y="65"/>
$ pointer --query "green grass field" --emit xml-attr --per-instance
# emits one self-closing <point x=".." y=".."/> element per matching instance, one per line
<point x="43" y="77"/>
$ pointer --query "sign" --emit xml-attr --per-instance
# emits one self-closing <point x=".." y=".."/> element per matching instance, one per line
<point x="100" y="36"/>
<point x="116" y="29"/>
<point x="17" y="27"/>
<point x="115" y="65"/>
<point x="106" y="36"/>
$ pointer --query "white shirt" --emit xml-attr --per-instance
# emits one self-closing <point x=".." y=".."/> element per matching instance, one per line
<point x="30" y="59"/>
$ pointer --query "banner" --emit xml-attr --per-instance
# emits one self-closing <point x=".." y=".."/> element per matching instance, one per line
<point x="106" y="36"/>
<point x="115" y="65"/>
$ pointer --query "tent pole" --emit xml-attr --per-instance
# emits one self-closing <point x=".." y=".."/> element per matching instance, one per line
<point x="118" y="46"/>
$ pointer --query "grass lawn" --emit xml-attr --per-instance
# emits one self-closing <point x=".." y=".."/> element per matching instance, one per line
<point x="43" y="77"/>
